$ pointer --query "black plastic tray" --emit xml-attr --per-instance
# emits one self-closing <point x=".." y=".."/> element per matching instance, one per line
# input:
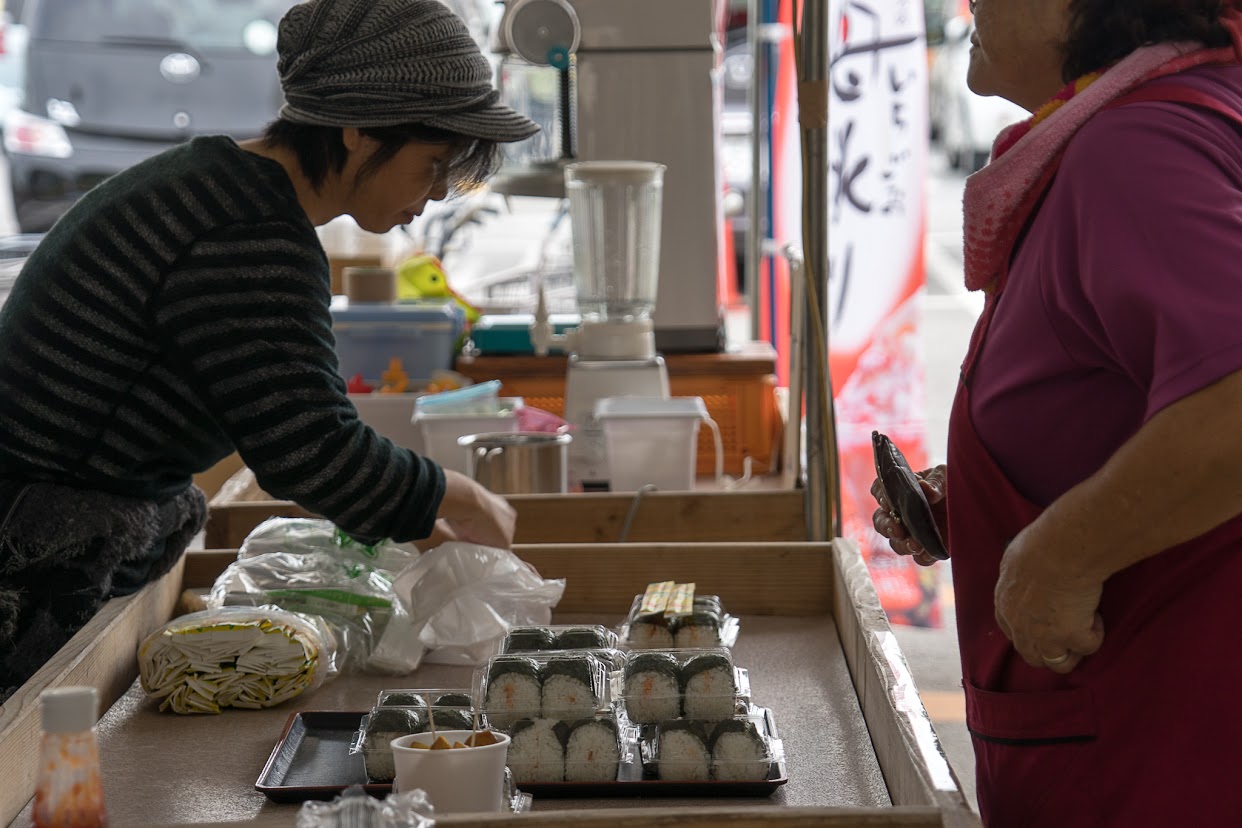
<point x="312" y="761"/>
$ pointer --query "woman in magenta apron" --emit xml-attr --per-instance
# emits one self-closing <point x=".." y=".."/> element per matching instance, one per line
<point x="1092" y="497"/>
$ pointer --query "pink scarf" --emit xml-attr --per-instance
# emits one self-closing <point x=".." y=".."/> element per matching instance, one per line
<point x="1000" y="197"/>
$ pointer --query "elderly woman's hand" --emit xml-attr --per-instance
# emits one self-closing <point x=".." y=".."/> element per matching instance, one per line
<point x="1046" y="601"/>
<point x="932" y="481"/>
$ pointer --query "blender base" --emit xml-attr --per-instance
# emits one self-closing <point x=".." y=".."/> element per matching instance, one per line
<point x="588" y="380"/>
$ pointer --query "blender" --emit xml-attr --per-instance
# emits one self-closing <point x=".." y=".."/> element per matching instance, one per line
<point x="615" y="215"/>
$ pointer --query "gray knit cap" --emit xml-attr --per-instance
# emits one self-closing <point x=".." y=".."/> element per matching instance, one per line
<point x="373" y="63"/>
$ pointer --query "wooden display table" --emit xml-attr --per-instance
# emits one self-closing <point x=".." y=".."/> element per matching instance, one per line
<point x="758" y="512"/>
<point x="859" y="747"/>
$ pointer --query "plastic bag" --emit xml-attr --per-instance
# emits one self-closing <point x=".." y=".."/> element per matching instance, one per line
<point x="302" y="535"/>
<point x="463" y="598"/>
<point x="235" y="657"/>
<point x="355" y="599"/>
<point x="354" y="808"/>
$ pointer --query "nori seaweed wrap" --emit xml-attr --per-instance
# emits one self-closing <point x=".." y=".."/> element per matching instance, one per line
<point x="592" y="752"/>
<point x="384" y="725"/>
<point x="401" y="698"/>
<point x="739" y="752"/>
<point x="681" y="751"/>
<point x="454" y="700"/>
<point x="652" y="688"/>
<point x="537" y="750"/>
<point x="582" y="638"/>
<point x="709" y="604"/>
<point x="451" y="719"/>
<point x="569" y="686"/>
<point x="708" y="687"/>
<point x="523" y="639"/>
<point x="700" y="629"/>
<point x="513" y="690"/>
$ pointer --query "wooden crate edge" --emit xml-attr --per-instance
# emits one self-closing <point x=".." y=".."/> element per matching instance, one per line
<point x="916" y="770"/>
<point x="103" y="655"/>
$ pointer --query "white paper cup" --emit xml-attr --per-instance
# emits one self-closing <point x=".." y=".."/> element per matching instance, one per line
<point x="460" y="780"/>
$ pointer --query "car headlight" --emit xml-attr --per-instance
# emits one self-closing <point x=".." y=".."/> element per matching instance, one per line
<point x="31" y="135"/>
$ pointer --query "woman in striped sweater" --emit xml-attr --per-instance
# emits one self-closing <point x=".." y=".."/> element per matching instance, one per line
<point x="179" y="312"/>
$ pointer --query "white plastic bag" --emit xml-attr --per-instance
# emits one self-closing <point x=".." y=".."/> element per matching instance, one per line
<point x="302" y="535"/>
<point x="463" y="598"/>
<point x="309" y="565"/>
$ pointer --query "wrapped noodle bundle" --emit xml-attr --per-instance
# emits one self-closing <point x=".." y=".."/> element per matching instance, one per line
<point x="235" y="657"/>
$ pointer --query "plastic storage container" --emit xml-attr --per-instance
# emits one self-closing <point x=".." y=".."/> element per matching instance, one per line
<point x="589" y="749"/>
<point x="707" y="625"/>
<point x="741" y="748"/>
<point x="439" y="431"/>
<point x="660" y="685"/>
<point x="651" y="440"/>
<point x="401" y="712"/>
<point x="370" y="334"/>
<point x="389" y="414"/>
<point x="569" y="685"/>
<point x="558" y="637"/>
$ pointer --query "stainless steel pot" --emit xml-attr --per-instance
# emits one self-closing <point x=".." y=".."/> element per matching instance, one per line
<point x="519" y="462"/>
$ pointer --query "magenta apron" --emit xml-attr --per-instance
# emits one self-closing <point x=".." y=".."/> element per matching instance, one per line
<point x="1147" y="731"/>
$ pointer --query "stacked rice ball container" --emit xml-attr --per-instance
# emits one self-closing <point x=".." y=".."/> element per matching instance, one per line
<point x="401" y="712"/>
<point x="550" y="689"/>
<point x="662" y="702"/>
<point x="592" y="711"/>
<point x="691" y="703"/>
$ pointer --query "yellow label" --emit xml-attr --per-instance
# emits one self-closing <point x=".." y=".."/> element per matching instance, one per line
<point x="655" y="599"/>
<point x="681" y="602"/>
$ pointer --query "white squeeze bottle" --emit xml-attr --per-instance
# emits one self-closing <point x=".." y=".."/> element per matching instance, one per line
<point x="68" y="790"/>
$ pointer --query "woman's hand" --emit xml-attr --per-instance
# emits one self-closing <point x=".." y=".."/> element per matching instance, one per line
<point x="932" y="481"/>
<point x="474" y="514"/>
<point x="1045" y="603"/>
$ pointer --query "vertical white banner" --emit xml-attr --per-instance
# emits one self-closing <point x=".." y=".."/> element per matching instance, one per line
<point x="878" y="157"/>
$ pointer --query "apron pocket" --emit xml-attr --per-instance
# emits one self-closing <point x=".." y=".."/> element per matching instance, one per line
<point x="1031" y="717"/>
<point x="1030" y="749"/>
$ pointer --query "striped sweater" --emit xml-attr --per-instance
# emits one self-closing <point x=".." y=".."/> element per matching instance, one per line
<point x="178" y="311"/>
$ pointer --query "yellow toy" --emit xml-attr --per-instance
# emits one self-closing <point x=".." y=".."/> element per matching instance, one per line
<point x="395" y="379"/>
<point x="422" y="277"/>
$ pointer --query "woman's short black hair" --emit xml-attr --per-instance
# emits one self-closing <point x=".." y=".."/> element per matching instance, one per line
<point x="1102" y="32"/>
<point x="320" y="150"/>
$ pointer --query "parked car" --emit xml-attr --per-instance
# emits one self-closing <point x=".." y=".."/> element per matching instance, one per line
<point x="964" y="123"/>
<point x="109" y="83"/>
<point x="12" y="57"/>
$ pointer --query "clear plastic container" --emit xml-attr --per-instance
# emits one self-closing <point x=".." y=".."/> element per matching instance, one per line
<point x="568" y="685"/>
<point x="402" y="712"/>
<point x="558" y="637"/>
<point x="707" y="626"/>
<point x="742" y="748"/>
<point x="68" y="787"/>
<point x="615" y="211"/>
<point x="661" y="685"/>
<point x="584" y="750"/>
<point x="652" y="440"/>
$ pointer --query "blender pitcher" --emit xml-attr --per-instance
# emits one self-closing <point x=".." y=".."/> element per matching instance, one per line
<point x="614" y="211"/>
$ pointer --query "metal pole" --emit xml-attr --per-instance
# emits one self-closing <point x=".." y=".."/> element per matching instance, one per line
<point x="813" y="100"/>
<point x="756" y="93"/>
